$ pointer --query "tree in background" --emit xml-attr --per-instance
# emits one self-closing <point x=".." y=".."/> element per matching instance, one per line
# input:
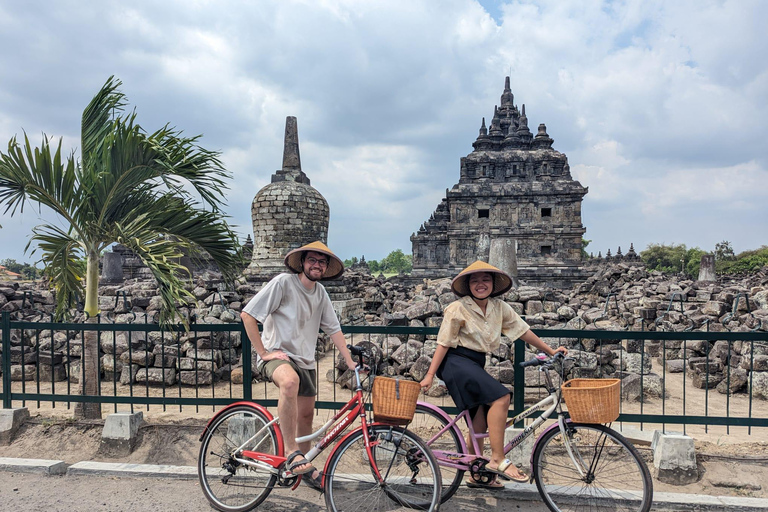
<point x="724" y="251"/>
<point x="747" y="261"/>
<point x="146" y="191"/>
<point x="396" y="262"/>
<point x="673" y="258"/>
<point x="584" y="244"/>
<point x="393" y="263"/>
<point x="25" y="269"/>
<point x="352" y="261"/>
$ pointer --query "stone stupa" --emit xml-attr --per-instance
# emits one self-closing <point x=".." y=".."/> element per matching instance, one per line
<point x="286" y="214"/>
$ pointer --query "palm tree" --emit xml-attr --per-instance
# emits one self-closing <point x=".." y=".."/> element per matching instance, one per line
<point x="158" y="194"/>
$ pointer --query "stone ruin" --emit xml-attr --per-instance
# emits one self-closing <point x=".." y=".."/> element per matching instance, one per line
<point x="286" y="214"/>
<point x="616" y="297"/>
<point x="516" y="206"/>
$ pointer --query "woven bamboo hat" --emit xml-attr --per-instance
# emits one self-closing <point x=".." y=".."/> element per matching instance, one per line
<point x="501" y="281"/>
<point x="335" y="266"/>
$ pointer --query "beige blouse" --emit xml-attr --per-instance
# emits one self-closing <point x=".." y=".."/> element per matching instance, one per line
<point x="464" y="325"/>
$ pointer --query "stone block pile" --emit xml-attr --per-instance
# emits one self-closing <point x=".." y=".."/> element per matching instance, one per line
<point x="618" y="296"/>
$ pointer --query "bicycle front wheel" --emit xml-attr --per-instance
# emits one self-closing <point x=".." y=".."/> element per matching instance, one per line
<point x="410" y="476"/>
<point x="602" y="470"/>
<point x="229" y="485"/>
<point x="426" y="424"/>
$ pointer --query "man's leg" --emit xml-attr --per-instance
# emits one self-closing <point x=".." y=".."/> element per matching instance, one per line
<point x="306" y="413"/>
<point x="287" y="381"/>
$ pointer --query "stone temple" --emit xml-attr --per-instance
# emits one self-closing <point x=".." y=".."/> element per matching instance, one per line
<point x="515" y="206"/>
<point x="286" y="214"/>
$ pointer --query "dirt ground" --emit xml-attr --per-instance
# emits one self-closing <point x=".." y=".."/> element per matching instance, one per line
<point x="731" y="461"/>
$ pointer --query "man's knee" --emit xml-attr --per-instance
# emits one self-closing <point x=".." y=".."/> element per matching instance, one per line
<point x="286" y="379"/>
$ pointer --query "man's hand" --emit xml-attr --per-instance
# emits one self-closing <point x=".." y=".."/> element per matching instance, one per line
<point x="275" y="354"/>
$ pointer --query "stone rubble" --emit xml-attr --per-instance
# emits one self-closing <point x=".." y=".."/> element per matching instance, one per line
<point x="618" y="296"/>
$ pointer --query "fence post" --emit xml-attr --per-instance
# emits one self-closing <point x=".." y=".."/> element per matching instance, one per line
<point x="6" y="327"/>
<point x="519" y="381"/>
<point x="245" y="342"/>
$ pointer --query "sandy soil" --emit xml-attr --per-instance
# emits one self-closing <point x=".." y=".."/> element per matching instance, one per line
<point x="731" y="461"/>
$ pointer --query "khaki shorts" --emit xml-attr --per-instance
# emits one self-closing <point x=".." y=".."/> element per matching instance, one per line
<point x="307" y="378"/>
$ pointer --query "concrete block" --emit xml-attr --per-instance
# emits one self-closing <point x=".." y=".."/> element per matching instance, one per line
<point x="520" y="455"/>
<point x="120" y="432"/>
<point x="39" y="466"/>
<point x="674" y="458"/>
<point x="10" y="421"/>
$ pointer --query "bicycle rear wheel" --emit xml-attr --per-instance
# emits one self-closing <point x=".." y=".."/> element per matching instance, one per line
<point x="426" y="424"/>
<point x="229" y="485"/>
<point x="409" y="471"/>
<point x="613" y="474"/>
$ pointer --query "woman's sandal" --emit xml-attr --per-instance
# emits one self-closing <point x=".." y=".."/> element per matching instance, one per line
<point x="493" y="485"/>
<point x="501" y="471"/>
<point x="293" y="463"/>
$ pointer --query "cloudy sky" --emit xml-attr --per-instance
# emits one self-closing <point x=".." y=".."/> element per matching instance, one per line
<point x="660" y="106"/>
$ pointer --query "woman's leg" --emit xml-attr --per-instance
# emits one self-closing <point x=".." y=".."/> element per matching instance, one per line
<point x="497" y="420"/>
<point x="479" y="425"/>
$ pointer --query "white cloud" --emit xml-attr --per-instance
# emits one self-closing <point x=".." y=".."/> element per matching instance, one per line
<point x="660" y="106"/>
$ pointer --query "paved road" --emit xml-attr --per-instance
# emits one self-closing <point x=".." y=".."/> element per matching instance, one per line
<point x="31" y="492"/>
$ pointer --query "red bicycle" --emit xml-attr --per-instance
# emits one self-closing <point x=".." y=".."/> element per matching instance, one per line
<point x="242" y="459"/>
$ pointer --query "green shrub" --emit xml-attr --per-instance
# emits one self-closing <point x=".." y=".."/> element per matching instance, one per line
<point x="747" y="261"/>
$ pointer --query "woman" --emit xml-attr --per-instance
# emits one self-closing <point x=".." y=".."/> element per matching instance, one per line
<point x="472" y="326"/>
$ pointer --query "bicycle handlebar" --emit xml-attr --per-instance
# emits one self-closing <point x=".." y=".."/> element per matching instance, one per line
<point x="542" y="359"/>
<point x="362" y="353"/>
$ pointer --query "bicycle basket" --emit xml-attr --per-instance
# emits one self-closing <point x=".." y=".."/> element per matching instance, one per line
<point x="394" y="400"/>
<point x="592" y="400"/>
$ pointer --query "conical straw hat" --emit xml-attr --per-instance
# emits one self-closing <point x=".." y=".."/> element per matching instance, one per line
<point x="335" y="266"/>
<point x="501" y="281"/>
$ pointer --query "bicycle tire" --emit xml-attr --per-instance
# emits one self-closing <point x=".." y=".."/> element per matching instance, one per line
<point x="615" y="474"/>
<point x="228" y="485"/>
<point x="426" y="423"/>
<point x="409" y="470"/>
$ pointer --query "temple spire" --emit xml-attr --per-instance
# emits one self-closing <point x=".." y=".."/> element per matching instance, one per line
<point x="507" y="98"/>
<point x="483" y="130"/>
<point x="291" y="170"/>
<point x="495" y="130"/>
<point x="291" y="158"/>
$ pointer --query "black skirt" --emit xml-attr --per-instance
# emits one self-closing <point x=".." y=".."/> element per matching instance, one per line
<point x="470" y="386"/>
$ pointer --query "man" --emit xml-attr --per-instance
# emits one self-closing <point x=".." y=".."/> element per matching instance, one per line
<point x="293" y="307"/>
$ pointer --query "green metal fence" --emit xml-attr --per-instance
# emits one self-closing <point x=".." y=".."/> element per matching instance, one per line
<point x="211" y="366"/>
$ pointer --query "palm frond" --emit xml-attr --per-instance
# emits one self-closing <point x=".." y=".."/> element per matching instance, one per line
<point x="163" y="257"/>
<point x="62" y="257"/>
<point x="183" y="159"/>
<point x="96" y="122"/>
<point x="199" y="230"/>
<point x="40" y="175"/>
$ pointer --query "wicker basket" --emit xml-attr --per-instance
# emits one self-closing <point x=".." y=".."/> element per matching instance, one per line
<point x="592" y="400"/>
<point x="394" y="400"/>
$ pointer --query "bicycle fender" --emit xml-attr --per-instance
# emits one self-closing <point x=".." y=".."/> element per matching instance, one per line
<point x="256" y="406"/>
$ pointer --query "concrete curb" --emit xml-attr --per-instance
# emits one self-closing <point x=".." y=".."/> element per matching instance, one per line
<point x="512" y="491"/>
<point x="132" y="470"/>
<point x="40" y="466"/>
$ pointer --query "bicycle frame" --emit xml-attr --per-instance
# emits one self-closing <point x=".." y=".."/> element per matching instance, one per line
<point x="274" y="464"/>
<point x="462" y="461"/>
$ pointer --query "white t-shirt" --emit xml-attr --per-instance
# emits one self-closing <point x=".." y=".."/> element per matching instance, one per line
<point x="292" y="317"/>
